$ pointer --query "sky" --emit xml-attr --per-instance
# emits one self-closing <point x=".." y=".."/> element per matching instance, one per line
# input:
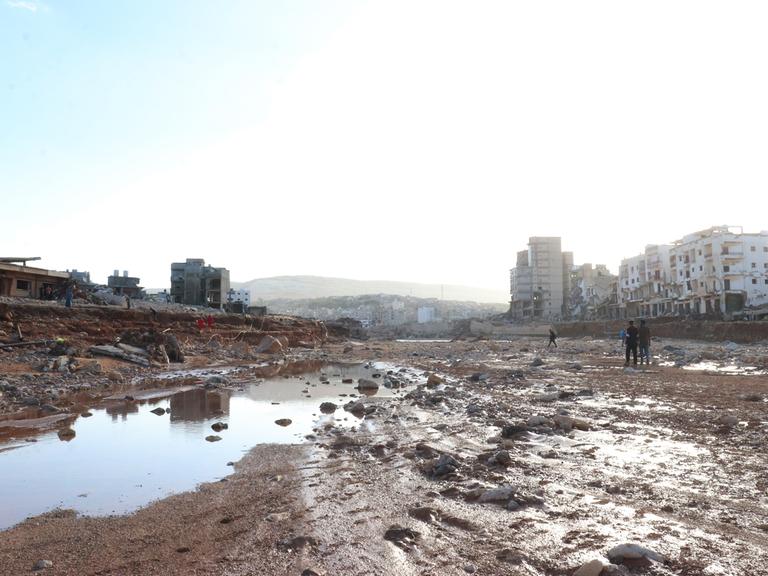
<point x="412" y="140"/>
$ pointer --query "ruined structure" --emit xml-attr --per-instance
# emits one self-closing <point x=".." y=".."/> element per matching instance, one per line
<point x="124" y="285"/>
<point x="18" y="279"/>
<point x="541" y="280"/>
<point x="194" y="283"/>
<point x="719" y="271"/>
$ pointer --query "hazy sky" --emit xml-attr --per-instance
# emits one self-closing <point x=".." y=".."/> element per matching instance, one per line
<point x="404" y="140"/>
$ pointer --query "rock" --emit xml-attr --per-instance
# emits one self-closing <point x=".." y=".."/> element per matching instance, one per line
<point x="284" y="422"/>
<point x="622" y="552"/>
<point x="365" y="384"/>
<point x="445" y="464"/>
<point x="311" y="572"/>
<point x="86" y="414"/>
<point x="512" y="430"/>
<point x="158" y="411"/>
<point x="479" y="377"/>
<point x="404" y="538"/>
<point x="66" y="434"/>
<point x="357" y="408"/>
<point x="502" y="457"/>
<point x="538" y="421"/>
<point x="269" y="345"/>
<point x="328" y="407"/>
<point x="278" y="517"/>
<point x="93" y="367"/>
<point x="425" y="514"/>
<point x="513" y="505"/>
<point x="469" y="568"/>
<point x="500" y="494"/>
<point x="591" y="568"/>
<point x="172" y="348"/>
<point x="219" y="426"/>
<point x="537" y="362"/>
<point x="115" y="376"/>
<point x="213" y="438"/>
<point x="42" y="565"/>
<point x="728" y="420"/>
<point x="434" y="380"/>
<point x="751" y="397"/>
<point x="217" y="379"/>
<point x="547" y="397"/>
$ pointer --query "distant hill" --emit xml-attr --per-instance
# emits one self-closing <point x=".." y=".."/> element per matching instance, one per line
<point x="304" y="287"/>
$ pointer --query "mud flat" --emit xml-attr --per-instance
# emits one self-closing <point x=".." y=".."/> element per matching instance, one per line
<point x="496" y="458"/>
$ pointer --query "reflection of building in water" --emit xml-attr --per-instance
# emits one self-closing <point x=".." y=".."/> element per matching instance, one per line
<point x="122" y="410"/>
<point x="199" y="405"/>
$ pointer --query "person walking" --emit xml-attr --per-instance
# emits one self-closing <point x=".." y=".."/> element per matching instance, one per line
<point x="631" y="343"/>
<point x="68" y="295"/>
<point x="552" y="338"/>
<point x="644" y="336"/>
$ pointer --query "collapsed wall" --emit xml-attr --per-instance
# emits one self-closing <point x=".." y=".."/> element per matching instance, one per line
<point x="710" y="330"/>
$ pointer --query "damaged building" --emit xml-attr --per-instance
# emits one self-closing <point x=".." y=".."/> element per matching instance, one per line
<point x="22" y="281"/>
<point x="540" y="281"/>
<point x="197" y="284"/>
<point x="125" y="285"/>
<point x="717" y="272"/>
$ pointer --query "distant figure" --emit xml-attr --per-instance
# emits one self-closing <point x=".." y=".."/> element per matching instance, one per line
<point x="68" y="294"/>
<point x="631" y="343"/>
<point x="48" y="293"/>
<point x="645" y="342"/>
<point x="622" y="340"/>
<point x="167" y="297"/>
<point x="552" y="338"/>
<point x="128" y="301"/>
<point x="209" y="321"/>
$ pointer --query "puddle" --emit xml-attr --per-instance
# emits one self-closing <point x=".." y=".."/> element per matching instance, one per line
<point x="124" y="456"/>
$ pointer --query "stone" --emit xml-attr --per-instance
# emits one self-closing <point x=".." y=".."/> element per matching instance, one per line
<point x="158" y="411"/>
<point x="425" y="514"/>
<point x="591" y="568"/>
<point x="547" y="397"/>
<point x="622" y="552"/>
<point x="537" y="362"/>
<point x="538" y="421"/>
<point x="328" y="407"/>
<point x="219" y="426"/>
<point x="115" y="376"/>
<point x="213" y="438"/>
<point x="93" y="367"/>
<point x="278" y="517"/>
<point x="42" y="565"/>
<point x="446" y="464"/>
<point x="404" y="538"/>
<point x="269" y="345"/>
<point x="365" y="384"/>
<point x="66" y="434"/>
<point x="284" y="422"/>
<point x="500" y="494"/>
<point x="502" y="457"/>
<point x="728" y="420"/>
<point x="469" y="568"/>
<point x="434" y="380"/>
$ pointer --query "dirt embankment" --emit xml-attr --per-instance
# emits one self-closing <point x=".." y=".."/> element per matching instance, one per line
<point x="712" y="331"/>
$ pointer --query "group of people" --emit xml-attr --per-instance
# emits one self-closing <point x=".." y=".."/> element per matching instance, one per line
<point x="633" y="339"/>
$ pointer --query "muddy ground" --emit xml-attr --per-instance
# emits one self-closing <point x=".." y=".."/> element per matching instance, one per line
<point x="511" y="459"/>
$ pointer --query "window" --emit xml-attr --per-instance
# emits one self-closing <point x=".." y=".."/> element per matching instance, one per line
<point x="726" y="268"/>
<point x="752" y="248"/>
<point x="726" y="284"/>
<point x="23" y="285"/>
<point x="765" y="264"/>
<point x="765" y="248"/>
<point x="754" y="264"/>
<point x="701" y="268"/>
<point x="754" y="280"/>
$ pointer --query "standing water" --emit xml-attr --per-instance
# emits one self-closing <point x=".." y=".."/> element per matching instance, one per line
<point x="125" y="456"/>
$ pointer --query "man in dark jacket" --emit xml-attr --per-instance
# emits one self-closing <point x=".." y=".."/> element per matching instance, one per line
<point x="645" y="342"/>
<point x="631" y="343"/>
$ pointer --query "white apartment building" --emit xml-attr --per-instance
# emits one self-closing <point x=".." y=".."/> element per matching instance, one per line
<point x="425" y="314"/>
<point x="718" y="271"/>
<point x="541" y="280"/>
<point x="590" y="288"/>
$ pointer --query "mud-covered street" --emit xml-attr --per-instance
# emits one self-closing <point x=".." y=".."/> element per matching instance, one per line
<point x="464" y="457"/>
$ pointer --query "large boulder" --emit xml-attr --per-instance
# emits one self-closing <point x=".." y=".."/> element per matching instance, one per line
<point x="269" y="345"/>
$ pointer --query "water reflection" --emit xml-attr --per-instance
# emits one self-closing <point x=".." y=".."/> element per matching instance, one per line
<point x="198" y="405"/>
<point x="124" y="455"/>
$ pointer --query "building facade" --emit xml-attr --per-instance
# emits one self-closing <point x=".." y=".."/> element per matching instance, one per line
<point x="24" y="281"/>
<point x="541" y="280"/>
<point x="124" y="285"/>
<point x="197" y="284"/>
<point x="716" y="272"/>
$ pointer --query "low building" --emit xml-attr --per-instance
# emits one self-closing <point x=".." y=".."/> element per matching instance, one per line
<point x="425" y="314"/>
<point x="197" y="284"/>
<point x="243" y="296"/>
<point x="24" y="281"/>
<point x="124" y="285"/>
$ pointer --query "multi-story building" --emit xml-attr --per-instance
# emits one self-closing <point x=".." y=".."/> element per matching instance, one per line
<point x="717" y="271"/>
<point x="124" y="285"/>
<point x="540" y="280"/>
<point x="242" y="296"/>
<point x="591" y="288"/>
<point x="194" y="283"/>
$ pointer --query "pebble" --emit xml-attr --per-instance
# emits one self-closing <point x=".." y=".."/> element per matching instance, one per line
<point x="42" y="565"/>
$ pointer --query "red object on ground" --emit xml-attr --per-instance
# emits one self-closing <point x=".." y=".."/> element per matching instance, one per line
<point x="200" y="323"/>
<point x="210" y="321"/>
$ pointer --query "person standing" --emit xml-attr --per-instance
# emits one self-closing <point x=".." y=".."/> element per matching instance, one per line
<point x="631" y="343"/>
<point x="68" y="295"/>
<point x="644" y="335"/>
<point x="552" y="338"/>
